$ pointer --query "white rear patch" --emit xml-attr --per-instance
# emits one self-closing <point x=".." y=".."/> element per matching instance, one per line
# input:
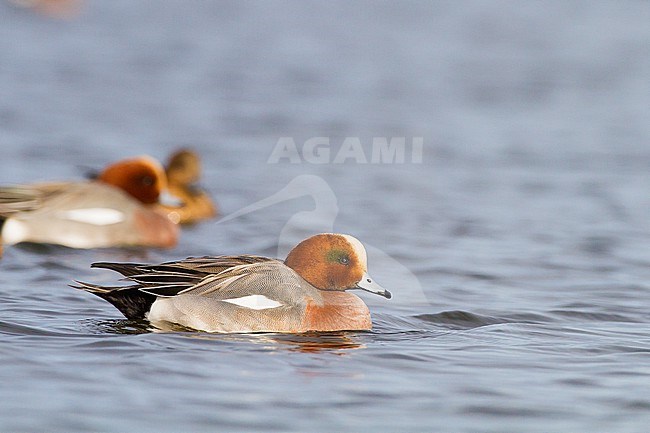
<point x="254" y="302"/>
<point x="358" y="249"/>
<point x="99" y="216"/>
<point x="14" y="231"/>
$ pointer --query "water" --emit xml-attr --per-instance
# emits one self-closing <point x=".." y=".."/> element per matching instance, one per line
<point x="517" y="251"/>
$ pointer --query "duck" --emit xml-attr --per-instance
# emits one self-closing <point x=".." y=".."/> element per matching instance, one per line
<point x="114" y="210"/>
<point x="183" y="171"/>
<point x="307" y="292"/>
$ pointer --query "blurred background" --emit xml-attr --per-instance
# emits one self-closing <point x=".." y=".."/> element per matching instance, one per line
<point x="516" y="250"/>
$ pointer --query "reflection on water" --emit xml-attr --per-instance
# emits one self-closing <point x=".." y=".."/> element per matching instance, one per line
<point x="123" y="327"/>
<point x="332" y="342"/>
<point x="308" y="342"/>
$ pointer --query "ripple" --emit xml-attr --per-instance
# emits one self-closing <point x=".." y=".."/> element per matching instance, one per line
<point x="594" y="317"/>
<point x="460" y="319"/>
<point x="16" y="329"/>
<point x="502" y="411"/>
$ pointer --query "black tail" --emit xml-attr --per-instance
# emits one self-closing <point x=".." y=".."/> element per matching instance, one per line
<point x="131" y="302"/>
<point x="126" y="269"/>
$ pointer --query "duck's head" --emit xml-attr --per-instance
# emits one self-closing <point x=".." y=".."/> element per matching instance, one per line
<point x="142" y="177"/>
<point x="334" y="262"/>
<point x="183" y="168"/>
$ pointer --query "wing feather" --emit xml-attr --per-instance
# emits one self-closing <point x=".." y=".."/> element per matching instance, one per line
<point x="18" y="199"/>
<point x="217" y="276"/>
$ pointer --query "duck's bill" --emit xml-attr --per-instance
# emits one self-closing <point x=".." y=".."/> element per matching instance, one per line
<point x="369" y="285"/>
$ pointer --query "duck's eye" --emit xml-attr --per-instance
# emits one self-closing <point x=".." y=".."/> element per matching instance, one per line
<point x="147" y="180"/>
<point x="344" y="260"/>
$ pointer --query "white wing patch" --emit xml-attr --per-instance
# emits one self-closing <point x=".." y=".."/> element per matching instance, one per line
<point x="98" y="216"/>
<point x="254" y="302"/>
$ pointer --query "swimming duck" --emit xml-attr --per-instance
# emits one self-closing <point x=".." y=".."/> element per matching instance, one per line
<point x="113" y="210"/>
<point x="235" y="294"/>
<point x="183" y="172"/>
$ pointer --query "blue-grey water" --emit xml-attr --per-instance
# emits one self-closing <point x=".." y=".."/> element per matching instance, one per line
<point x="517" y="248"/>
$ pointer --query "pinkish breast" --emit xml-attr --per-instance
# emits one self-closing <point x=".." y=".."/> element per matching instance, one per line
<point x="155" y="229"/>
<point x="339" y="311"/>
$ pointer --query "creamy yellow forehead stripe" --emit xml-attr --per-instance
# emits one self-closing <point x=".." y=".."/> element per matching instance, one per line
<point x="151" y="160"/>
<point x="358" y="249"/>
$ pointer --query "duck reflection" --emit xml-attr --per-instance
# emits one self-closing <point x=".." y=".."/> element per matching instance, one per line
<point x="319" y="342"/>
<point x="312" y="342"/>
<point x="334" y="342"/>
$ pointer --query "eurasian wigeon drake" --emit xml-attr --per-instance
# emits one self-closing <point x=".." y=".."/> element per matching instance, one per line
<point x="236" y="294"/>
<point x="183" y="172"/>
<point x="115" y="209"/>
